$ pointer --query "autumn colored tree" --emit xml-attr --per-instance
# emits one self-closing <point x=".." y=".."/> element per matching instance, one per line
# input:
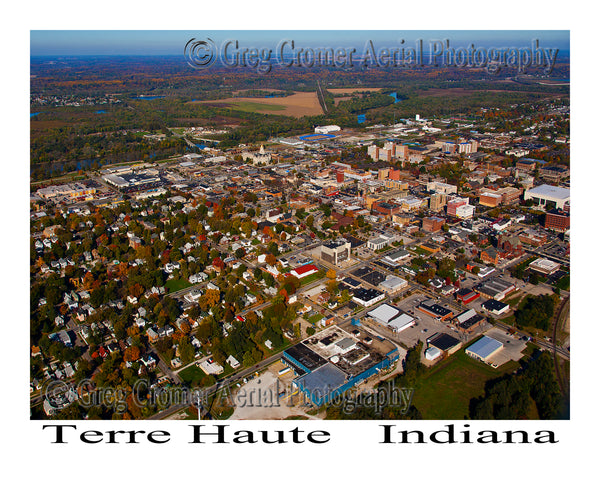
<point x="331" y="274"/>
<point x="133" y="331"/>
<point x="131" y="354"/>
<point x="211" y="297"/>
<point x="218" y="263"/>
<point x="184" y="326"/>
<point x="270" y="259"/>
<point x="136" y="290"/>
<point x="88" y="281"/>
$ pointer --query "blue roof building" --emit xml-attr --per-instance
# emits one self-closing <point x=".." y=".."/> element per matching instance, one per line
<point x="484" y="348"/>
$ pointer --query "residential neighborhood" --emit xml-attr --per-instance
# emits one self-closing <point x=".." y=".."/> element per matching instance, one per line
<point x="191" y="269"/>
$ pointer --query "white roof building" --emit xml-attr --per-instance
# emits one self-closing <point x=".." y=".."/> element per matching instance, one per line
<point x="549" y="194"/>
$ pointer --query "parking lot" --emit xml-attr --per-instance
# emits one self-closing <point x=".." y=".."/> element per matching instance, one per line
<point x="425" y="327"/>
<point x="513" y="346"/>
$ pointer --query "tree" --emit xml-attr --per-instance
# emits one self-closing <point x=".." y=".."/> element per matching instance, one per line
<point x="210" y="298"/>
<point x="186" y="350"/>
<point x="131" y="354"/>
<point x="270" y="259"/>
<point x="331" y="274"/>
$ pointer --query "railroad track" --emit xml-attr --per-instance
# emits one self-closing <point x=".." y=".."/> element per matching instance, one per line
<point x="557" y="365"/>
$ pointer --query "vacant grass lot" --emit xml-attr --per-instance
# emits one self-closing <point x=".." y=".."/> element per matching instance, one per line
<point x="174" y="285"/>
<point x="445" y="391"/>
<point x="194" y="376"/>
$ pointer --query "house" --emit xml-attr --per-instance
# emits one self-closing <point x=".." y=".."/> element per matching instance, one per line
<point x="233" y="363"/>
<point x="152" y="335"/>
<point x="148" y="360"/>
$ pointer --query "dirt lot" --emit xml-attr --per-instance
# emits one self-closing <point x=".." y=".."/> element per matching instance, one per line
<point x="259" y="399"/>
<point x="297" y="105"/>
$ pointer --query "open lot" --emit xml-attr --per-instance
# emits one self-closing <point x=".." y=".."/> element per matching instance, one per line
<point x="260" y="399"/>
<point x="447" y="388"/>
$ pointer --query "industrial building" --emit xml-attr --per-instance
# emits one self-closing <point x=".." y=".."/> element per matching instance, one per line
<point x="333" y="361"/>
<point x="391" y="317"/>
<point x="484" y="348"/>
<point x="367" y="296"/>
<point x="393" y="284"/>
<point x="468" y="321"/>
<point x="495" y="288"/>
<point x="434" y="310"/>
<point x="395" y="257"/>
<point x="445" y="343"/>
<point x="494" y="306"/>
<point x="466" y="295"/>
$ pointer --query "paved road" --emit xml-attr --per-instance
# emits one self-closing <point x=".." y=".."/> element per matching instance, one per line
<point x="221" y="384"/>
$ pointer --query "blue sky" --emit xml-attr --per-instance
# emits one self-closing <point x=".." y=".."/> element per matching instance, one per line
<point x="169" y="42"/>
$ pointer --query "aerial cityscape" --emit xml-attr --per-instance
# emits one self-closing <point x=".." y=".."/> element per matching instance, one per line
<point x="291" y="231"/>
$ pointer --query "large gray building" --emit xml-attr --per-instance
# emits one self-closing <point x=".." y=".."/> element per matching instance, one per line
<point x="335" y="251"/>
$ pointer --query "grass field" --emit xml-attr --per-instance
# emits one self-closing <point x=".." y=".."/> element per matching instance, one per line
<point x="445" y="391"/>
<point x="258" y="107"/>
<point x="176" y="285"/>
<point x="315" y="318"/>
<point x="192" y="375"/>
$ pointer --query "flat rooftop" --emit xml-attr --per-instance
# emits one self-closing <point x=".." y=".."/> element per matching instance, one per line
<point x="550" y="191"/>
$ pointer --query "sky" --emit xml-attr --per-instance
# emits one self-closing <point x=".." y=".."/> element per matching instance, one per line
<point x="172" y="42"/>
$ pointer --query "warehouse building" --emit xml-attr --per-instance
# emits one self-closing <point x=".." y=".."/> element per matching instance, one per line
<point x="445" y="343"/>
<point x="304" y="271"/>
<point x="495" y="288"/>
<point x="393" y="258"/>
<point x="435" y="310"/>
<point x="392" y="317"/>
<point x="393" y="284"/>
<point x="367" y="296"/>
<point x="466" y="295"/>
<point x="494" y="306"/>
<point x="468" y="321"/>
<point x="484" y="348"/>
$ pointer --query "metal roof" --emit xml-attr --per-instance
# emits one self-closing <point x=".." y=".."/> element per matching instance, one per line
<point x="484" y="347"/>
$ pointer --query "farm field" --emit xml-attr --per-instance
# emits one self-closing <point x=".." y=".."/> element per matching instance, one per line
<point x="349" y="91"/>
<point x="297" y="105"/>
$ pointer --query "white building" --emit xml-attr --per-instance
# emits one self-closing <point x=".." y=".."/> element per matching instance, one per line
<point x="545" y="195"/>
<point x="465" y="211"/>
<point x="393" y="284"/>
<point x="327" y="129"/>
